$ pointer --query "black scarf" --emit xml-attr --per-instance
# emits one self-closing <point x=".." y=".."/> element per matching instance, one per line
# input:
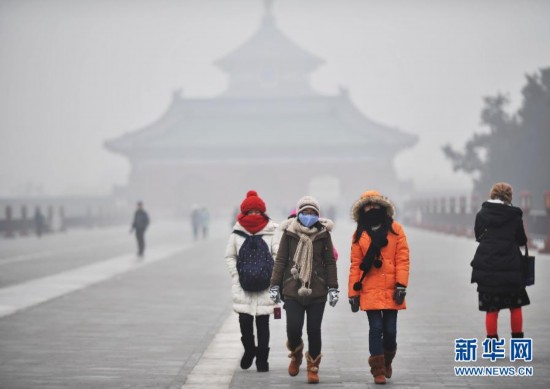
<point x="378" y="236"/>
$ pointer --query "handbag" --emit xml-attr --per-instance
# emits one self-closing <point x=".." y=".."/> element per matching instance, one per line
<point x="528" y="268"/>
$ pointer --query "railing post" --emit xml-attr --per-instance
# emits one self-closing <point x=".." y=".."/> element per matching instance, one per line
<point x="462" y="204"/>
<point x="474" y="208"/>
<point x="443" y="215"/>
<point x="474" y="204"/>
<point x="463" y="217"/>
<point x="89" y="222"/>
<point x="62" y="226"/>
<point x="9" y="222"/>
<point x="49" y="219"/>
<point x="452" y="225"/>
<point x="434" y="213"/>
<point x="452" y="205"/>
<point x="24" y="221"/>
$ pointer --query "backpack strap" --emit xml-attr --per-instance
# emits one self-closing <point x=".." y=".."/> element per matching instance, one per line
<point x="243" y="234"/>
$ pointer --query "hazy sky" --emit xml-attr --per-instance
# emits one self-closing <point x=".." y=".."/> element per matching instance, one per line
<point x="74" y="73"/>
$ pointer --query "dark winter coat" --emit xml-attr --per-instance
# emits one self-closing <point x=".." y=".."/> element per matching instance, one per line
<point x="497" y="261"/>
<point x="324" y="275"/>
<point x="141" y="220"/>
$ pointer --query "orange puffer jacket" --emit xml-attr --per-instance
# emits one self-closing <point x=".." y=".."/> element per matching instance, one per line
<point x="379" y="284"/>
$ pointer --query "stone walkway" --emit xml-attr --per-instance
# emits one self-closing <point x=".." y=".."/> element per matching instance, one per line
<point x="169" y="323"/>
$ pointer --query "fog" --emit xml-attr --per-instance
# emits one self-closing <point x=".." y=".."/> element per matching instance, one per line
<point x="74" y="74"/>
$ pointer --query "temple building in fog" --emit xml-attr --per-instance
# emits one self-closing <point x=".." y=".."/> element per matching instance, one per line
<point x="269" y="131"/>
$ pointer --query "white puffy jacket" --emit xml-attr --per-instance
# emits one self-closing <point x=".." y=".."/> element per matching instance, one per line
<point x="253" y="303"/>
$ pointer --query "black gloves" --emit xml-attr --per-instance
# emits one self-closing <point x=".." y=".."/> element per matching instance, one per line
<point x="354" y="302"/>
<point x="399" y="294"/>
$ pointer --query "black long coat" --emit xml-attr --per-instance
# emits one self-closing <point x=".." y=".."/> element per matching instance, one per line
<point x="497" y="261"/>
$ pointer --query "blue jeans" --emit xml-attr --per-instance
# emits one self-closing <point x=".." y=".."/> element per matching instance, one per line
<point x="383" y="330"/>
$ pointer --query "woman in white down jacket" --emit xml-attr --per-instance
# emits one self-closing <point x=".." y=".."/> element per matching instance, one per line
<point x="253" y="226"/>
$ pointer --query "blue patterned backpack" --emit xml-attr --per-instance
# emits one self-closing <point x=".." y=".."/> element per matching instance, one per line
<point x="254" y="263"/>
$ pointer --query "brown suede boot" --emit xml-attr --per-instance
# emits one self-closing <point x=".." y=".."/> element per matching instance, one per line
<point x="295" y="356"/>
<point x="378" y="369"/>
<point x="313" y="368"/>
<point x="388" y="358"/>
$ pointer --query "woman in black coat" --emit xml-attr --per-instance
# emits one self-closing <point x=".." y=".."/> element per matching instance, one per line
<point x="497" y="262"/>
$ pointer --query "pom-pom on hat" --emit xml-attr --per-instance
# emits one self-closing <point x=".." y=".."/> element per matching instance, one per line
<point x="502" y="191"/>
<point x="252" y="201"/>
<point x="308" y="202"/>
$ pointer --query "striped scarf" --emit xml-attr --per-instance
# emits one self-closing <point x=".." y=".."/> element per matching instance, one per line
<point x="303" y="257"/>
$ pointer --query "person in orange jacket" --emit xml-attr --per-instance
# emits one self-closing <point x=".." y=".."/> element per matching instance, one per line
<point x="379" y="276"/>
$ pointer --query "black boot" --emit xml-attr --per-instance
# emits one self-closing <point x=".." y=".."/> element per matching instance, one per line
<point x="249" y="351"/>
<point x="517" y="335"/>
<point x="261" y="359"/>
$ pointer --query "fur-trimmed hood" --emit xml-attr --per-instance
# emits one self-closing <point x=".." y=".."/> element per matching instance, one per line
<point x="286" y="224"/>
<point x="372" y="197"/>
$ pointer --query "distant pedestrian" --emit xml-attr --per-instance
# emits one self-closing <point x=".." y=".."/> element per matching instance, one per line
<point x="497" y="261"/>
<point x="305" y="272"/>
<point x="39" y="222"/>
<point x="204" y="216"/>
<point x="195" y="220"/>
<point x="378" y="277"/>
<point x="139" y="225"/>
<point x="249" y="256"/>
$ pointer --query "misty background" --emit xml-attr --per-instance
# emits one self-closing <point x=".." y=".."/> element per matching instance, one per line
<point x="76" y="73"/>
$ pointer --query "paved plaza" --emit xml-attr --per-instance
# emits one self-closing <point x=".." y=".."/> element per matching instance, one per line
<point x="80" y="310"/>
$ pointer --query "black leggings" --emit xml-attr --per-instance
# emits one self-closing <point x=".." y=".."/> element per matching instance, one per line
<point x="295" y="313"/>
<point x="262" y="328"/>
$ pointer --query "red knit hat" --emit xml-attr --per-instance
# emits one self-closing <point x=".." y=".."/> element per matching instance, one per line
<point x="252" y="201"/>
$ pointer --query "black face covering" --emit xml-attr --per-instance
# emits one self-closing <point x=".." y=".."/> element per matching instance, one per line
<point x="375" y="217"/>
<point x="379" y="240"/>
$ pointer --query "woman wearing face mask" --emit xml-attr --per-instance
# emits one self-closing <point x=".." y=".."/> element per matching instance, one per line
<point x="306" y="269"/>
<point x="379" y="275"/>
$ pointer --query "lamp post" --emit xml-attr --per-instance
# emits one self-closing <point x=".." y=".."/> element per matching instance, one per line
<point x="546" y="248"/>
